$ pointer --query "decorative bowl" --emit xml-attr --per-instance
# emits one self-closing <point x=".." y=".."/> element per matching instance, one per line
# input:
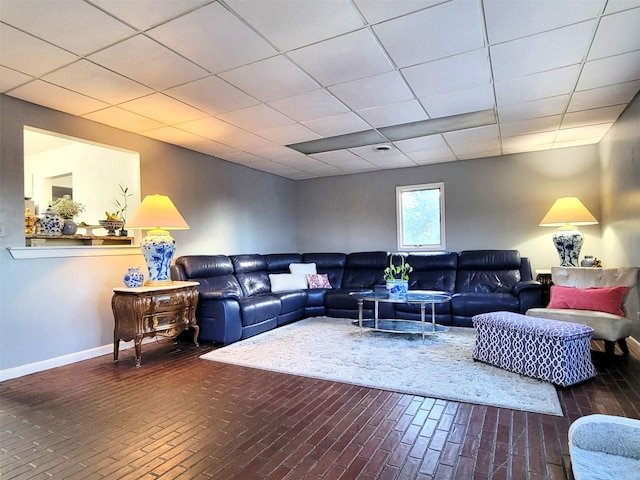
<point x="111" y="226"/>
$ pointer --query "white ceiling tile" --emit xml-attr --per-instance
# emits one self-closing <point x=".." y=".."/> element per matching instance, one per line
<point x="310" y="106"/>
<point x="52" y="96"/>
<point x="161" y="68"/>
<point x="594" y="116"/>
<point x="508" y="19"/>
<point x="578" y="133"/>
<point x="538" y="85"/>
<point x="448" y="29"/>
<point x="212" y="95"/>
<point x="618" y="94"/>
<point x="421" y="143"/>
<point x="244" y="158"/>
<point x="119" y="118"/>
<point x="461" y="101"/>
<point x="398" y="160"/>
<point x="279" y="153"/>
<point x="576" y="143"/>
<point x="616" y="34"/>
<point x="526" y="149"/>
<point x="228" y="43"/>
<point x="290" y="24"/>
<point x="289" y="134"/>
<point x="395" y="114"/>
<point x="544" y="51"/>
<point x="73" y="25"/>
<point x="342" y="159"/>
<point x="338" y="124"/>
<point x="522" y="141"/>
<point x="249" y="143"/>
<point x="538" y="108"/>
<point x="433" y="155"/>
<point x="449" y="74"/>
<point x="270" y="79"/>
<point x="164" y="109"/>
<point x="210" y="147"/>
<point x="619" y="5"/>
<point x="342" y="59"/>
<point x="30" y="55"/>
<point x="143" y="14"/>
<point x="476" y="147"/>
<point x="476" y="155"/>
<point x="173" y="135"/>
<point x="607" y="71"/>
<point x="376" y="11"/>
<point x="10" y="79"/>
<point x="258" y="117"/>
<point x="534" y="125"/>
<point x="374" y="91"/>
<point x="97" y="82"/>
<point x="472" y="135"/>
<point x="212" y="128"/>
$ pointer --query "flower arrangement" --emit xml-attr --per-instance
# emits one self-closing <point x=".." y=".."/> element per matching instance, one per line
<point x="397" y="272"/>
<point x="67" y="208"/>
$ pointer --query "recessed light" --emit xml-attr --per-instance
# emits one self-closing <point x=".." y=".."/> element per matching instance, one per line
<point x="381" y="148"/>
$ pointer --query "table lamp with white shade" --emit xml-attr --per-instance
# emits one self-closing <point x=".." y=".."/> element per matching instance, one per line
<point x="567" y="213"/>
<point x="157" y="214"/>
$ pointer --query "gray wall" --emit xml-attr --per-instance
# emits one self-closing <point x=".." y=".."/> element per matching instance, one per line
<point x="494" y="202"/>
<point x="55" y="307"/>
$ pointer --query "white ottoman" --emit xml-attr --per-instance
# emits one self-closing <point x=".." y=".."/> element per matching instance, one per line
<point x="550" y="350"/>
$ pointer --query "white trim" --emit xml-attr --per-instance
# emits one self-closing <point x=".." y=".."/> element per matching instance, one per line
<point x="28" y="253"/>
<point x="22" y="370"/>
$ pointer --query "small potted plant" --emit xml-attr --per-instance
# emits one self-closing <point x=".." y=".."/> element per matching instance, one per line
<point x="122" y="208"/>
<point x="68" y="210"/>
<point x="397" y="276"/>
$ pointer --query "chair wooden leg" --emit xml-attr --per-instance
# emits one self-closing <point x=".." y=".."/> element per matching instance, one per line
<point x="622" y="343"/>
<point x="609" y="349"/>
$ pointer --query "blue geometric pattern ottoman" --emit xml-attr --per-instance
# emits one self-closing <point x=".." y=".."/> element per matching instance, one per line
<point x="550" y="350"/>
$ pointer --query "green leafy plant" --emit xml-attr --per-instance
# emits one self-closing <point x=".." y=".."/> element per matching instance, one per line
<point x="67" y="208"/>
<point x="122" y="204"/>
<point x="397" y="272"/>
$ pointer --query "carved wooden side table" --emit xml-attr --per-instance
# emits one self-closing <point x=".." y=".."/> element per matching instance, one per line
<point x="153" y="310"/>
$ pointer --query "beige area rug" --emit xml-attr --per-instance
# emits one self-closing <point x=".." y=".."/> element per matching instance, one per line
<point x="442" y="367"/>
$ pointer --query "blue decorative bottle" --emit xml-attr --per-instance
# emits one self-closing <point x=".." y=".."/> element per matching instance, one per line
<point x="133" y="278"/>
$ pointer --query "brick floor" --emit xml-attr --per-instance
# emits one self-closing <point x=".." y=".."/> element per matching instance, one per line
<point x="179" y="417"/>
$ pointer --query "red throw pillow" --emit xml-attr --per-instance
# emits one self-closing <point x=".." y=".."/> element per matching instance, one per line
<point x="605" y="299"/>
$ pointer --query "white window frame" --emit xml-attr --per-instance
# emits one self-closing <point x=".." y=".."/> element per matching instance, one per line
<point x="400" y="220"/>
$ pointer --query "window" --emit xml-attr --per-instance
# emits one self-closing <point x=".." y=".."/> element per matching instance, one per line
<point x="420" y="216"/>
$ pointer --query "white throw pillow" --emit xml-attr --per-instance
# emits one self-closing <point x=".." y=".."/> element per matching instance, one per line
<point x="283" y="282"/>
<point x="303" y="268"/>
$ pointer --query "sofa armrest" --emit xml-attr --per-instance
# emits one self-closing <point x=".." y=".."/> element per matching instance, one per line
<point x="520" y="287"/>
<point x="219" y="295"/>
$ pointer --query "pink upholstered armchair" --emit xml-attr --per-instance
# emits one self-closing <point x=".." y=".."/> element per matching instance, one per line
<point x="592" y="299"/>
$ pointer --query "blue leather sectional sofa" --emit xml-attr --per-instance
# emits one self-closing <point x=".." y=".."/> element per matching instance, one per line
<point x="236" y="300"/>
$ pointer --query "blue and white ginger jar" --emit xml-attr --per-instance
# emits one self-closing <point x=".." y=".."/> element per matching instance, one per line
<point x="133" y="278"/>
<point x="51" y="222"/>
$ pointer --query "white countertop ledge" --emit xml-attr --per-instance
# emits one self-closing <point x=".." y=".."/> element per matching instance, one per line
<point x="28" y="253"/>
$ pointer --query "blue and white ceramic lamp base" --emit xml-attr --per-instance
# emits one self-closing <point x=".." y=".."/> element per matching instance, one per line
<point x="568" y="243"/>
<point x="158" y="248"/>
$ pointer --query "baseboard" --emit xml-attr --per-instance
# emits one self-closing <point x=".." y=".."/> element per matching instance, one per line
<point x="22" y="370"/>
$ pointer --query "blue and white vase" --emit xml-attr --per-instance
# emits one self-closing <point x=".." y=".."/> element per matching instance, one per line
<point x="397" y="288"/>
<point x="158" y="248"/>
<point x="51" y="222"/>
<point x="133" y="278"/>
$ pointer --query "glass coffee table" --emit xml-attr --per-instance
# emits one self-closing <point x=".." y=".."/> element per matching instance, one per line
<point x="421" y="297"/>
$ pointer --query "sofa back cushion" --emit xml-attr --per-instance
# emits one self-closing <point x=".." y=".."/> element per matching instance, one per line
<point x="364" y="269"/>
<point x="279" y="262"/>
<point x="213" y="272"/>
<point x="487" y="271"/>
<point x="433" y="271"/>
<point x="330" y="264"/>
<point x="251" y="272"/>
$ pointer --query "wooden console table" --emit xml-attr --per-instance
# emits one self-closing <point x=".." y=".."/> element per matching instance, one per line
<point x="149" y="311"/>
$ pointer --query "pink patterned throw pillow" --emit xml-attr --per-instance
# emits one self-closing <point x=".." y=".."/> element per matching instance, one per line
<point x="318" y="281"/>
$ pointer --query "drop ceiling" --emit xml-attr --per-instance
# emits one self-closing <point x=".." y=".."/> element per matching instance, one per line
<point x="243" y="79"/>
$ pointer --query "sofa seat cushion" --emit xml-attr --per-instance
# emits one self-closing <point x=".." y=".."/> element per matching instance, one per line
<point x="315" y="297"/>
<point x="606" y="326"/>
<point x="341" y="299"/>
<point x="291" y="301"/>
<point x="470" y="304"/>
<point x="258" y="309"/>
<point x="441" y="308"/>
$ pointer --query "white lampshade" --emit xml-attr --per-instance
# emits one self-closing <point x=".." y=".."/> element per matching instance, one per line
<point x="157" y="213"/>
<point x="568" y="211"/>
